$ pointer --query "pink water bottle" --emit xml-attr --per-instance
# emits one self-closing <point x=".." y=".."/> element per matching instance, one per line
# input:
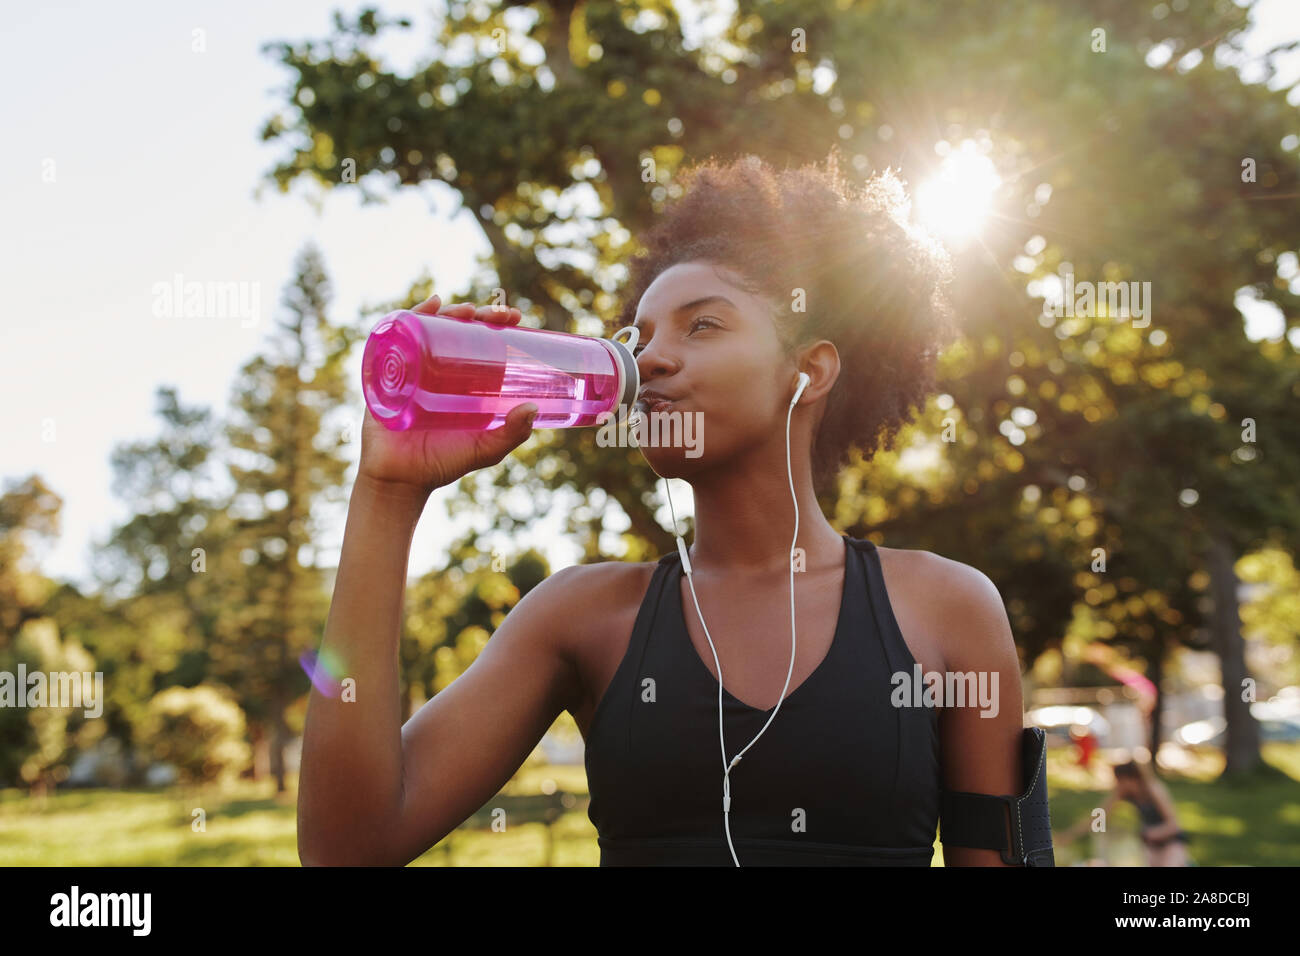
<point x="439" y="371"/>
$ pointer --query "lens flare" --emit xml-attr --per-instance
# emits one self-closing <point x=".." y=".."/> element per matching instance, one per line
<point x="323" y="670"/>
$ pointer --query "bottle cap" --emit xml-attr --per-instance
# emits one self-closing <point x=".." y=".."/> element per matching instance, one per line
<point x="629" y="371"/>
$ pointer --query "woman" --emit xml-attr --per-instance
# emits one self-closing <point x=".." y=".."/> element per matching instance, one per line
<point x="752" y="277"/>
<point x="1165" y="840"/>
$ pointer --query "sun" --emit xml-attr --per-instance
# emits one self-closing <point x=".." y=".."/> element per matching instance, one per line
<point x="956" y="202"/>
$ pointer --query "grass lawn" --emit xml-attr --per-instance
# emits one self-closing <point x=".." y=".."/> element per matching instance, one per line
<point x="1255" y="823"/>
<point x="245" y="825"/>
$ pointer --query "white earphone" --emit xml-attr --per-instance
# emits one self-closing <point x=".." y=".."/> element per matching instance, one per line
<point x="803" y="381"/>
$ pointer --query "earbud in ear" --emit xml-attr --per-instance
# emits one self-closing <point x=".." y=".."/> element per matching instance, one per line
<point x="804" y="379"/>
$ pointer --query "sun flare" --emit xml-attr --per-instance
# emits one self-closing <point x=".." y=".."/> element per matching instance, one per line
<point x="956" y="202"/>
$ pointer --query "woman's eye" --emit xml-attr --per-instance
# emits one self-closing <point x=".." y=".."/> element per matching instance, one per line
<point x="700" y="322"/>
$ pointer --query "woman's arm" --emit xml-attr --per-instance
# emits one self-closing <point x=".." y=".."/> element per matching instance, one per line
<point x="375" y="792"/>
<point x="353" y="805"/>
<point x="350" y="785"/>
<point x="979" y="753"/>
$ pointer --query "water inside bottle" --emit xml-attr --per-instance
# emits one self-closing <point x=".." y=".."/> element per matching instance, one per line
<point x="467" y="374"/>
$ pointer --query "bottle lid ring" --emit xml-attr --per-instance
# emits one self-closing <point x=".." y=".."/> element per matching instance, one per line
<point x="627" y="362"/>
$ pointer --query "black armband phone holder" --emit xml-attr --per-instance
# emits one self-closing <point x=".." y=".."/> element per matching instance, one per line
<point x="980" y="820"/>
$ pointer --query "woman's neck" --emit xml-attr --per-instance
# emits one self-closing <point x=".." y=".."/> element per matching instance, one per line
<point x="744" y="518"/>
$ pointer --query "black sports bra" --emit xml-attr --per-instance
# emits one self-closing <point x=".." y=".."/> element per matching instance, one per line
<point x="840" y="777"/>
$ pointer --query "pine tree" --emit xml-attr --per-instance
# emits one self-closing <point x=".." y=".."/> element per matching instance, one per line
<point x="286" y="458"/>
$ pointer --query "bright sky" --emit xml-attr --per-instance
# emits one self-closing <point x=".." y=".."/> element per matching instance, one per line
<point x="155" y="159"/>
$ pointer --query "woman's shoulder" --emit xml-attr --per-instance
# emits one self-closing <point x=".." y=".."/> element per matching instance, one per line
<point x="959" y="604"/>
<point x="935" y="566"/>
<point x="598" y="572"/>
<point x="594" y="592"/>
<point x="942" y="579"/>
<point x="601" y="578"/>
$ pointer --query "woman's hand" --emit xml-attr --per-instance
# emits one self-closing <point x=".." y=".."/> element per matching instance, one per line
<point x="421" y="460"/>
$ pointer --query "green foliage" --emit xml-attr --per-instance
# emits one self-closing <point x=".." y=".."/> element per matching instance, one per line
<point x="451" y="614"/>
<point x="29" y="516"/>
<point x="36" y="742"/>
<point x="199" y="730"/>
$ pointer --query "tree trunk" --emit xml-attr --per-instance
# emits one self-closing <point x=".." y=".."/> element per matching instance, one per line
<point x="1157" y="709"/>
<point x="279" y="741"/>
<point x="1242" y="749"/>
<point x="556" y="43"/>
<point x="261" y="751"/>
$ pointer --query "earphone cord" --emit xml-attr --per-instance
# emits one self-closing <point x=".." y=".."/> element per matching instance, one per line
<point x="686" y="567"/>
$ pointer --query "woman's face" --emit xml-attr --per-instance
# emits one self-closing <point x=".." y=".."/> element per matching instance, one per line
<point x="711" y="348"/>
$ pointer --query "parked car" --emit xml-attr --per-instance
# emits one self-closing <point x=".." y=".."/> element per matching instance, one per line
<point x="1274" y="724"/>
<point x="1057" y="720"/>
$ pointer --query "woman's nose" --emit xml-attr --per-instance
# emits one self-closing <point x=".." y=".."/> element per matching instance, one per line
<point x="652" y="363"/>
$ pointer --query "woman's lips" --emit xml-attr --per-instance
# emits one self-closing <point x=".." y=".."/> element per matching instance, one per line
<point x="653" y="405"/>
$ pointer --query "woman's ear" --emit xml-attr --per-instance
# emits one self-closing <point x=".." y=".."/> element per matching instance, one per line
<point x="821" y="361"/>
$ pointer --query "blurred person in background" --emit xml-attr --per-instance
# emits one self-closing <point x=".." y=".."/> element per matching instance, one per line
<point x="1165" y="841"/>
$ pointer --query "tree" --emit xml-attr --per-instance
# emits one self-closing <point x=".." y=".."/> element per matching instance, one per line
<point x="37" y="736"/>
<point x="152" y="623"/>
<point x="285" y="460"/>
<point x="29" y="517"/>
<point x="198" y="730"/>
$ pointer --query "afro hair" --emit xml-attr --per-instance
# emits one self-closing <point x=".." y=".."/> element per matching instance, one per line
<point x="868" y="280"/>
